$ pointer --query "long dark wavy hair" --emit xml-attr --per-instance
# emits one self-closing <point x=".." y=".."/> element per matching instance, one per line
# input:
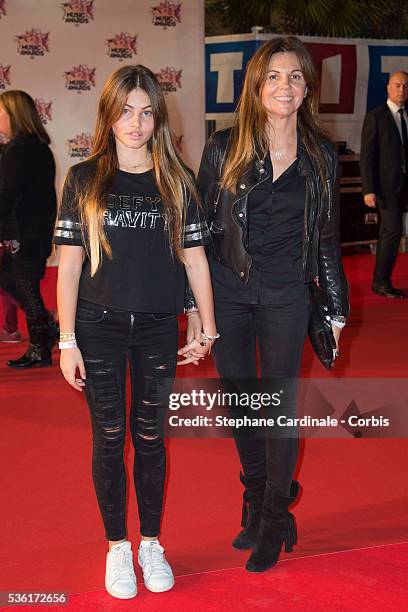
<point x="249" y="130"/>
<point x="173" y="178"/>
<point x="23" y="114"/>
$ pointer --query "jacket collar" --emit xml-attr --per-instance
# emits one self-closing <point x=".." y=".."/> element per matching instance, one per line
<point x="253" y="175"/>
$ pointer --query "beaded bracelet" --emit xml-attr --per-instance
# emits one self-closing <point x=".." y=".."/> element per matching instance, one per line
<point x="67" y="335"/>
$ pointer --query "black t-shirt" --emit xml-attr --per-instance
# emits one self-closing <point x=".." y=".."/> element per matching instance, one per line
<point x="142" y="276"/>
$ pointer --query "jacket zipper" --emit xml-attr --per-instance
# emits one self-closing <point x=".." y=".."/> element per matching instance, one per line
<point x="330" y="197"/>
<point x="246" y="220"/>
<point x="310" y="195"/>
<point x="249" y="191"/>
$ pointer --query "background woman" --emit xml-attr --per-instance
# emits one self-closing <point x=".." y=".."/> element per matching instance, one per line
<point x="270" y="185"/>
<point x="9" y="329"/>
<point x="129" y="219"/>
<point x="27" y="217"/>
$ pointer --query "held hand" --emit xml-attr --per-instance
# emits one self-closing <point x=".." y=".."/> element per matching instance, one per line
<point x="194" y="351"/>
<point x="370" y="199"/>
<point x="71" y="361"/>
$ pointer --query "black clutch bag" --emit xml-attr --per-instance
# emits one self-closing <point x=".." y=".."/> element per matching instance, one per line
<point x="320" y="330"/>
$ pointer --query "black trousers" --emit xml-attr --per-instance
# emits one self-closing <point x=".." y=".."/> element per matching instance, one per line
<point x="27" y="294"/>
<point x="389" y="236"/>
<point x="108" y="339"/>
<point x="279" y="332"/>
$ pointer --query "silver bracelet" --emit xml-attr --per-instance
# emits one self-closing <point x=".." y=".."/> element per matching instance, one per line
<point x="337" y="323"/>
<point x="67" y="344"/>
<point x="205" y="337"/>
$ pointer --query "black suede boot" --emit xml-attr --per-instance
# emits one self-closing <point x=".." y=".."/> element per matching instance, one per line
<point x="38" y="354"/>
<point x="251" y="512"/>
<point x="277" y="527"/>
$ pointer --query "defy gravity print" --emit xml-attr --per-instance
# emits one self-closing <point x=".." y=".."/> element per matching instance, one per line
<point x="135" y="212"/>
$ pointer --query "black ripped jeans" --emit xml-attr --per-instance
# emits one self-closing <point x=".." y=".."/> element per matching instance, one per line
<point x="108" y="339"/>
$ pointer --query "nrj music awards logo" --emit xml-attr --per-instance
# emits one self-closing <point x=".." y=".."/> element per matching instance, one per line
<point x="122" y="46"/>
<point x="169" y="79"/>
<point x="2" y="8"/>
<point x="33" y="43"/>
<point x="44" y="110"/>
<point x="80" y="78"/>
<point x="80" y="145"/>
<point x="78" y="11"/>
<point x="166" y="14"/>
<point x="4" y="76"/>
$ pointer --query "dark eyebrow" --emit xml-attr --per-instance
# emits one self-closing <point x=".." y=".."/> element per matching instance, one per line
<point x="294" y="70"/>
<point x="143" y="107"/>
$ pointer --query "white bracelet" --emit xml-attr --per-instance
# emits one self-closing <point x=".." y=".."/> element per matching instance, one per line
<point x="336" y="323"/>
<point x="68" y="344"/>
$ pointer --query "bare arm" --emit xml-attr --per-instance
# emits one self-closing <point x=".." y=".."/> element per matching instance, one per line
<point x="69" y="272"/>
<point x="198" y="275"/>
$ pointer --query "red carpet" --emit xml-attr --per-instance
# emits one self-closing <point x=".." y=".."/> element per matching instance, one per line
<point x="354" y="492"/>
<point x="367" y="579"/>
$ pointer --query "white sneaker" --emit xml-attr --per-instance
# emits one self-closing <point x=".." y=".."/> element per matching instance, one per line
<point x="120" y="579"/>
<point x="157" y="573"/>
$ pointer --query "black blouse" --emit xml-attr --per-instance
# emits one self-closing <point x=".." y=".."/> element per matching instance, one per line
<point x="275" y="237"/>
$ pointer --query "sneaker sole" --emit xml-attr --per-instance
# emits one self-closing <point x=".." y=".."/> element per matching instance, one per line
<point x="120" y="595"/>
<point x="152" y="590"/>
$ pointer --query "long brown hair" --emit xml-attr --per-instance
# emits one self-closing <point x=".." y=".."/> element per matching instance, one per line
<point x="173" y="179"/>
<point x="249" y="130"/>
<point x="23" y="114"/>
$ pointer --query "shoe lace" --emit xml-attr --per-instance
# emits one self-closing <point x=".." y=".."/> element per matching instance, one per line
<point x="122" y="563"/>
<point x="155" y="558"/>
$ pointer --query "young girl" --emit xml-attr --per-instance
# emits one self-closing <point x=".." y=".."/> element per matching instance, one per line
<point x="129" y="219"/>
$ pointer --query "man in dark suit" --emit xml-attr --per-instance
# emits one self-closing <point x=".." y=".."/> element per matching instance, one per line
<point x="384" y="173"/>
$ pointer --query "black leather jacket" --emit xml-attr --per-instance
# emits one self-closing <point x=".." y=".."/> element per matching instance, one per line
<point x="227" y="217"/>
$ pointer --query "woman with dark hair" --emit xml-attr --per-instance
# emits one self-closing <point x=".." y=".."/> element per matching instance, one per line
<point x="27" y="217"/>
<point x="130" y="227"/>
<point x="9" y="330"/>
<point x="270" y="187"/>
